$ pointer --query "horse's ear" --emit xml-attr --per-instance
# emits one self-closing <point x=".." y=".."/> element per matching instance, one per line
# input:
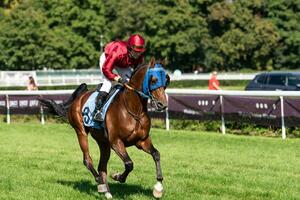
<point x="152" y="62"/>
<point x="164" y="62"/>
<point x="168" y="80"/>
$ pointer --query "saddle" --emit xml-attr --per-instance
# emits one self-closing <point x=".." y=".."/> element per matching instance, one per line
<point x="89" y="108"/>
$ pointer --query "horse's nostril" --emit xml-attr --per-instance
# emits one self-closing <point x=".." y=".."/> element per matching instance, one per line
<point x="163" y="107"/>
<point x="159" y="104"/>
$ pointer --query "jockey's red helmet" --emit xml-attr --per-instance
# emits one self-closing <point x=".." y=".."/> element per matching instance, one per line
<point x="136" y="43"/>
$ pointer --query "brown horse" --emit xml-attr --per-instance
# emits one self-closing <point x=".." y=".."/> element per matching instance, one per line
<point x="130" y="106"/>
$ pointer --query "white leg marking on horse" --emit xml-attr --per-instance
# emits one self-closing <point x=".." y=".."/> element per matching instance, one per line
<point x="158" y="190"/>
<point x="102" y="188"/>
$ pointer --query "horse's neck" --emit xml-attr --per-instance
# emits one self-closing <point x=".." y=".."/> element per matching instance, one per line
<point x="135" y="102"/>
<point x="138" y="77"/>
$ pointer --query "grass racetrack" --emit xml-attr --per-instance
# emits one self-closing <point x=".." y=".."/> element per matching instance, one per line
<point x="45" y="162"/>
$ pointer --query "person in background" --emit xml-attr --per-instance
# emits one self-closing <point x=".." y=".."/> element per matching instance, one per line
<point x="120" y="56"/>
<point x="31" y="85"/>
<point x="213" y="83"/>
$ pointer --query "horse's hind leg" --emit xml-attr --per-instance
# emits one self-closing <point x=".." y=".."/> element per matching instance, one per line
<point x="87" y="160"/>
<point x="120" y="150"/>
<point x="148" y="147"/>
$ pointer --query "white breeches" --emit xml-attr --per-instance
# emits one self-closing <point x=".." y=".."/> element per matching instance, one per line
<point x="125" y="73"/>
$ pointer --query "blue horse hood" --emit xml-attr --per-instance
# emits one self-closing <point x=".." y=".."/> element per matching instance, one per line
<point x="159" y="73"/>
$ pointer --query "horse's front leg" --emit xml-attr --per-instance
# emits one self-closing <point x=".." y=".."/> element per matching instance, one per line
<point x="147" y="146"/>
<point x="120" y="150"/>
<point x="102" y="168"/>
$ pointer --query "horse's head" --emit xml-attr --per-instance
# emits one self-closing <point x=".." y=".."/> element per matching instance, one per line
<point x="155" y="82"/>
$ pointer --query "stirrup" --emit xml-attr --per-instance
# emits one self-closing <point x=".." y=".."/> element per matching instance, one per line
<point x="98" y="117"/>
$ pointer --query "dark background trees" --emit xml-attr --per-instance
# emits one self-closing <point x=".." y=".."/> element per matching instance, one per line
<point x="211" y="34"/>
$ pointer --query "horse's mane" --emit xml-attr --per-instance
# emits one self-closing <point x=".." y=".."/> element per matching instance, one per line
<point x="138" y="68"/>
<point x="142" y="65"/>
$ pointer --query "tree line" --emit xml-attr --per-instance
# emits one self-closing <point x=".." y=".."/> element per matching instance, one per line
<point x="229" y="35"/>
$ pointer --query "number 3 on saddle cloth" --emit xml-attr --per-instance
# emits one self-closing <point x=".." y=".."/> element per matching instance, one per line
<point x="88" y="109"/>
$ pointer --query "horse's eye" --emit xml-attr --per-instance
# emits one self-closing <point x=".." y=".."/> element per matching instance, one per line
<point x="153" y="80"/>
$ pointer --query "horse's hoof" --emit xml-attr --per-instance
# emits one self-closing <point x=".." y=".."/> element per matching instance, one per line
<point x="117" y="177"/>
<point x="158" y="190"/>
<point x="108" y="195"/>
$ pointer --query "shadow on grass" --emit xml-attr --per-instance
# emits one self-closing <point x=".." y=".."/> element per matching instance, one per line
<point x="117" y="189"/>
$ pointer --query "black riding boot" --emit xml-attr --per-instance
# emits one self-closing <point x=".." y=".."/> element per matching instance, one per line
<point x="99" y="103"/>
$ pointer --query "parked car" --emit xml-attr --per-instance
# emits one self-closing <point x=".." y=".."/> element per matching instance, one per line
<point x="275" y="81"/>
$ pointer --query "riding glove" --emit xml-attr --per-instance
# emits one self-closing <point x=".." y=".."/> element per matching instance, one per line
<point x="122" y="81"/>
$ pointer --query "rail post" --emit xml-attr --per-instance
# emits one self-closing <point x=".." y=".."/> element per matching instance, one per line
<point x="167" y="115"/>
<point x="223" y="128"/>
<point x="283" y="130"/>
<point x="42" y="114"/>
<point x="7" y="110"/>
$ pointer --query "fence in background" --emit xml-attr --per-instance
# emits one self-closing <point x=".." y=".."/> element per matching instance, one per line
<point x="91" y="77"/>
<point x="272" y="108"/>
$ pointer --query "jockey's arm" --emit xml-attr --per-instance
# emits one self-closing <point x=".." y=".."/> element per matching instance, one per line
<point x="109" y="66"/>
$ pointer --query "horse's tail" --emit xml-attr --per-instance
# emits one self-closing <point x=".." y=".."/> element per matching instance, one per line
<point x="62" y="109"/>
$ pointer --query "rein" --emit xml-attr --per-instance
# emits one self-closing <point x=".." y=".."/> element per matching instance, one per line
<point x="145" y="92"/>
<point x="142" y="94"/>
<point x="137" y="117"/>
<point x="153" y="100"/>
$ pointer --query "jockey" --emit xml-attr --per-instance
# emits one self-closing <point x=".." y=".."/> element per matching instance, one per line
<point x="120" y="56"/>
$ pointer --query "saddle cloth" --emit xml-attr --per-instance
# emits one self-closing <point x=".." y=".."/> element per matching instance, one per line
<point x="88" y="110"/>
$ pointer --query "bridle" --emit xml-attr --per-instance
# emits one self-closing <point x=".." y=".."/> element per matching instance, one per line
<point x="153" y="101"/>
<point x="145" y="93"/>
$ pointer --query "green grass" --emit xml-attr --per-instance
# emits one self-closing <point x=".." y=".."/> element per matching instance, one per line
<point x="45" y="162"/>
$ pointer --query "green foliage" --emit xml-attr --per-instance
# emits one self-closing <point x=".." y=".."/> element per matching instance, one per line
<point x="286" y="15"/>
<point x="9" y="4"/>
<point x="57" y="34"/>
<point x="223" y="35"/>
<point x="240" y="37"/>
<point x="172" y="29"/>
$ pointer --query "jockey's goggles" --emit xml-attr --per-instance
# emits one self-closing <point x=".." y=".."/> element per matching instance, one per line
<point x="138" y="48"/>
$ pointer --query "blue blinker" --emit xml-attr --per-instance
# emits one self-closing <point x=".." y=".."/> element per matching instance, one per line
<point x="159" y="73"/>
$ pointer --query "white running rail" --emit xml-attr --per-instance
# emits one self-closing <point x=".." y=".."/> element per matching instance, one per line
<point x="92" y="77"/>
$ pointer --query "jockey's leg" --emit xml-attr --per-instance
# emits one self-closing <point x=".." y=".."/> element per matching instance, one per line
<point x="103" y="92"/>
<point x="120" y="150"/>
<point x="101" y="97"/>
